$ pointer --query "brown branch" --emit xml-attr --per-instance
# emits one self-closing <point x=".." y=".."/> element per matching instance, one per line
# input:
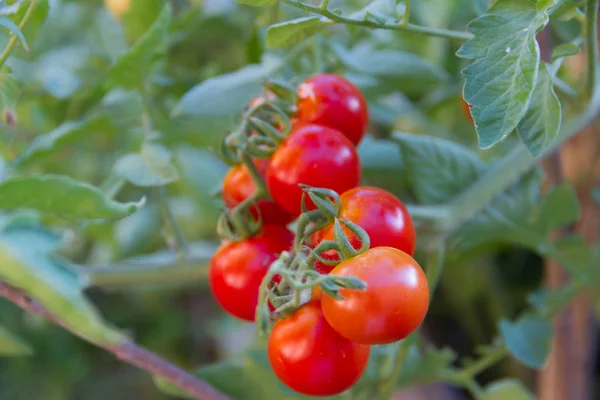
<point x="128" y="352"/>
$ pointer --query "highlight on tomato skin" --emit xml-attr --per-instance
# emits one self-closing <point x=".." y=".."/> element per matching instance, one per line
<point x="382" y="215"/>
<point x="237" y="269"/>
<point x="313" y="155"/>
<point x="333" y="101"/>
<point x="310" y="357"/>
<point x="391" y="307"/>
<point x="238" y="186"/>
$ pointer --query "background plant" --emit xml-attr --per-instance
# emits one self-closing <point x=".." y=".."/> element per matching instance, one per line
<point x="110" y="125"/>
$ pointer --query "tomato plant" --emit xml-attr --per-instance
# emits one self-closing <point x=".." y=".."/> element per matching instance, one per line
<point x="154" y="159"/>
<point x="311" y="358"/>
<point x="238" y="268"/>
<point x="311" y="155"/>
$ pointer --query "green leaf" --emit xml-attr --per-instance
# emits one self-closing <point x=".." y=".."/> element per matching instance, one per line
<point x="9" y="90"/>
<point x="426" y="366"/>
<point x="551" y="301"/>
<point x="528" y="339"/>
<point x="258" y="3"/>
<point x="500" y="81"/>
<point x="520" y="216"/>
<point x="559" y="208"/>
<point x="28" y="264"/>
<point x="63" y="196"/>
<point x="291" y="32"/>
<point x="132" y="69"/>
<point x="64" y="135"/>
<point x="151" y="167"/>
<point x="437" y="169"/>
<point x="222" y="96"/>
<point x="506" y="389"/>
<point x="11" y="345"/>
<point x="37" y="19"/>
<point x="508" y="219"/>
<point x="565" y="50"/>
<point x="14" y="29"/>
<point x="541" y="122"/>
<point x="396" y="70"/>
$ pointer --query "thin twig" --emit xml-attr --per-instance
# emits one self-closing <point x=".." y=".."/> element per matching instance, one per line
<point x="13" y="38"/>
<point x="397" y="26"/>
<point x="128" y="352"/>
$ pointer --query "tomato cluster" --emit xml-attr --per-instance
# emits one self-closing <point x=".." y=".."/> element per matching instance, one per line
<point x="321" y="347"/>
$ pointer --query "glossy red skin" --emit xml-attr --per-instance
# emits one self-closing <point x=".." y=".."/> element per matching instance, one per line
<point x="392" y="306"/>
<point x="333" y="101"/>
<point x="381" y="214"/>
<point x="238" y="186"/>
<point x="311" y="358"/>
<point x="238" y="268"/>
<point x="313" y="155"/>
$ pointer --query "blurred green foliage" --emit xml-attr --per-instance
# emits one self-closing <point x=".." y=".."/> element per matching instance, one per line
<point x="67" y="80"/>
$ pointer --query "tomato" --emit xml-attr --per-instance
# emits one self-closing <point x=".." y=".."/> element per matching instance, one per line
<point x="238" y="268"/>
<point x="313" y="155"/>
<point x="381" y="214"/>
<point x="311" y="358"/>
<point x="391" y="307"/>
<point x="118" y="7"/>
<point x="238" y="186"/>
<point x="466" y="108"/>
<point x="332" y="101"/>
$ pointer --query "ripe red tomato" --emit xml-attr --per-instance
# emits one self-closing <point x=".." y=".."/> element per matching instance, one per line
<point x="332" y="101"/>
<point x="238" y="268"/>
<point x="391" y="307"/>
<point x="381" y="214"/>
<point x="238" y="186"/>
<point x="311" y="358"/>
<point x="313" y="155"/>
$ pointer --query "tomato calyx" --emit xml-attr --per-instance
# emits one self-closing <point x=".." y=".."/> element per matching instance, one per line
<point x="264" y="125"/>
<point x="295" y="270"/>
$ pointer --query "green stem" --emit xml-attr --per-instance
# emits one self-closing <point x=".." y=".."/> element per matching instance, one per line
<point x="509" y="170"/>
<point x="592" y="45"/>
<point x="176" y="271"/>
<point x="422" y="30"/>
<point x="564" y="87"/>
<point x="113" y="185"/>
<point x="180" y="243"/>
<point x="13" y="38"/>
<point x="260" y="187"/>
<point x="482" y="364"/>
<point x="387" y="386"/>
<point x="406" y="15"/>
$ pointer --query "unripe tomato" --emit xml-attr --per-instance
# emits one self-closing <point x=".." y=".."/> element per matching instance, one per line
<point x="381" y="214"/>
<point x="118" y="7"/>
<point x="238" y="186"/>
<point x="313" y="155"/>
<point x="238" y="268"/>
<point x="391" y="307"/>
<point x="311" y="358"/>
<point x="333" y="101"/>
